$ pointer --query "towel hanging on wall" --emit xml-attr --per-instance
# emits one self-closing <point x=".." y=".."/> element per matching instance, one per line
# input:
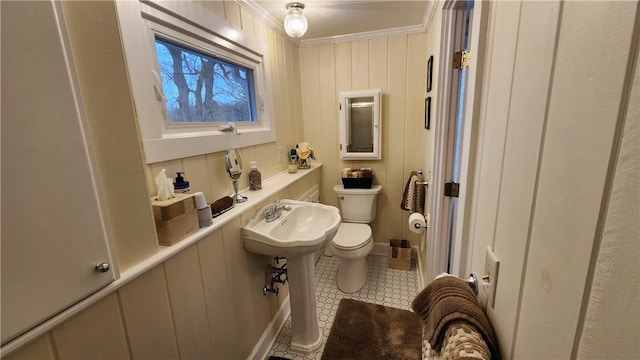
<point x="413" y="195"/>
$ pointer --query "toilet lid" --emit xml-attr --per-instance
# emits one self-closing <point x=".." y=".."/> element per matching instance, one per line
<point x="352" y="236"/>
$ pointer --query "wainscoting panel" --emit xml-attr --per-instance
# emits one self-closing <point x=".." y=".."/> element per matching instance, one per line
<point x="213" y="267"/>
<point x="38" y="349"/>
<point x="97" y="330"/>
<point x="142" y="300"/>
<point x="246" y="330"/>
<point x="188" y="305"/>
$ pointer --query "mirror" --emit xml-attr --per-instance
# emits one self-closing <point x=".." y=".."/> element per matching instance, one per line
<point x="233" y="165"/>
<point x="360" y="124"/>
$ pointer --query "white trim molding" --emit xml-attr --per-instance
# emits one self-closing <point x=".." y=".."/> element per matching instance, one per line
<point x="430" y="12"/>
<point x="259" y="12"/>
<point x="270" y="334"/>
<point x="414" y="29"/>
<point x="253" y="7"/>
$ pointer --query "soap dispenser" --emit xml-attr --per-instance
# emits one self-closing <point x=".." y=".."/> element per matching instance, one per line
<point x="180" y="186"/>
<point x="255" y="178"/>
<point x="293" y="162"/>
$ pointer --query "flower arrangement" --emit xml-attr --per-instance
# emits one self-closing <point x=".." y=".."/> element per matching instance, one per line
<point x="305" y="152"/>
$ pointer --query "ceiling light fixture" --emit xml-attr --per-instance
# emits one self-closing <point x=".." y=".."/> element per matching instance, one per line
<point x="295" y="24"/>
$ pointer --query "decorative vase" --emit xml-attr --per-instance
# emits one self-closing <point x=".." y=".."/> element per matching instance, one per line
<point x="304" y="163"/>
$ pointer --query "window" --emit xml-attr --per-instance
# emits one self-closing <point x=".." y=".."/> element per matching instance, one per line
<point x="199" y="87"/>
<point x="191" y="73"/>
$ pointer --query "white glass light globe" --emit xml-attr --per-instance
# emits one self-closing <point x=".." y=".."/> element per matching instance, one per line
<point x="295" y="24"/>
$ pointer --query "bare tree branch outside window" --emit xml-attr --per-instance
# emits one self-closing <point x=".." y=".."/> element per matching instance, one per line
<point x="202" y="88"/>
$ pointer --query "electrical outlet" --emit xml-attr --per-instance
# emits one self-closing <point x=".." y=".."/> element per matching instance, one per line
<point x="280" y="154"/>
<point x="490" y="278"/>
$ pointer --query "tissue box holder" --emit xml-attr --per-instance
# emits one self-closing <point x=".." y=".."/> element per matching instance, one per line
<point x="399" y="254"/>
<point x="175" y="218"/>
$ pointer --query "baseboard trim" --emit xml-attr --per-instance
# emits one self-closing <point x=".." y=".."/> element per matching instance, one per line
<point x="268" y="338"/>
<point x="382" y="249"/>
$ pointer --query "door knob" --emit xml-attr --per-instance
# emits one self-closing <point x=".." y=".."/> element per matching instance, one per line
<point x="103" y="268"/>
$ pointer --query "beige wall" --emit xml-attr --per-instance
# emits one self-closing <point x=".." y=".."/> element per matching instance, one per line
<point x="128" y="183"/>
<point x="614" y="300"/>
<point x="107" y="100"/>
<point x="557" y="80"/>
<point x="395" y="64"/>
<point x="206" y="173"/>
<point x="206" y="301"/>
<point x="543" y="167"/>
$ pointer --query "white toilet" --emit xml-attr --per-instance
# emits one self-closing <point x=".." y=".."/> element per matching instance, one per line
<point x="354" y="241"/>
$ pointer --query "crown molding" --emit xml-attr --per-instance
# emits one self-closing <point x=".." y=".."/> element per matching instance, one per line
<point x="430" y="12"/>
<point x="254" y="8"/>
<point x="260" y="13"/>
<point x="414" y="29"/>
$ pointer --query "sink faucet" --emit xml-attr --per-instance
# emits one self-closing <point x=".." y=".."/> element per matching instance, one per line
<point x="274" y="212"/>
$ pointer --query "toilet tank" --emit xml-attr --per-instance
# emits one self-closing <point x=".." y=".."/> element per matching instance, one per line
<point x="358" y="205"/>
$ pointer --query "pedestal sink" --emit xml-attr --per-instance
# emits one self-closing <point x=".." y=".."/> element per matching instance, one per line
<point x="299" y="230"/>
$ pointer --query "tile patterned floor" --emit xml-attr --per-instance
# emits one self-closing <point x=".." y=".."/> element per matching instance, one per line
<point x="390" y="287"/>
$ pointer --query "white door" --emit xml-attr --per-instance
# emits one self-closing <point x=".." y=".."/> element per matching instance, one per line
<point x="544" y="160"/>
<point x="451" y="140"/>
<point x="53" y="232"/>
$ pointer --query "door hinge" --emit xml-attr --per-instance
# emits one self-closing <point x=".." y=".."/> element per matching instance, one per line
<point x="451" y="189"/>
<point x="461" y="59"/>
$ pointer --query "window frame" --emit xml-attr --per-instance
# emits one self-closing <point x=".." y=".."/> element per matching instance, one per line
<point x="232" y="60"/>
<point x="140" y="22"/>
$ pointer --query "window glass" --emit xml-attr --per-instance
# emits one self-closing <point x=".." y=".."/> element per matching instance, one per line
<point x="199" y="87"/>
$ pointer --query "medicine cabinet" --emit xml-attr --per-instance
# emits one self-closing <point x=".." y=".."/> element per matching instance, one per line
<point x="360" y="124"/>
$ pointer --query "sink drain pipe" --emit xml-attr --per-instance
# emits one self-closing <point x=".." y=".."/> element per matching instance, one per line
<point x="275" y="275"/>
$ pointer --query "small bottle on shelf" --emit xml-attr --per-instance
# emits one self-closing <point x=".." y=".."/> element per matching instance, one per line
<point x="180" y="186"/>
<point x="255" y="178"/>
<point x="293" y="162"/>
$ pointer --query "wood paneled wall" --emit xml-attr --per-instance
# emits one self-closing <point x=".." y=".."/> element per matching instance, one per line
<point x="205" y="302"/>
<point x="395" y="64"/>
<point x="111" y="114"/>
<point x="206" y="172"/>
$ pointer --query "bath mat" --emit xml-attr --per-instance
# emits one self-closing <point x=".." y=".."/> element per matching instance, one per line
<point x="363" y="330"/>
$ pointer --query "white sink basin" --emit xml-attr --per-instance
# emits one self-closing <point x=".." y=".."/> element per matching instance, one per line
<point x="300" y="230"/>
<point x="303" y="229"/>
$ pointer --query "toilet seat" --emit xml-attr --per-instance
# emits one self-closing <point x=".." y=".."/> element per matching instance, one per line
<point x="351" y="236"/>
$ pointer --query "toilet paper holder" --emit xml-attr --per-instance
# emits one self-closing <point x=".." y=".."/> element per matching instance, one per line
<point x="418" y="226"/>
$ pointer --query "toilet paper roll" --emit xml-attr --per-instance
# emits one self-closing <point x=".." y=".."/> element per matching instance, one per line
<point x="201" y="201"/>
<point x="417" y="223"/>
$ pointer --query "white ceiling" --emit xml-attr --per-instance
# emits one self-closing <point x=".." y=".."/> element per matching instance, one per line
<point x="348" y="17"/>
